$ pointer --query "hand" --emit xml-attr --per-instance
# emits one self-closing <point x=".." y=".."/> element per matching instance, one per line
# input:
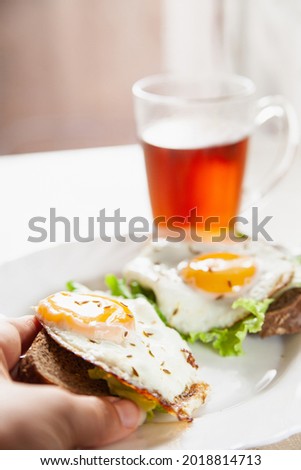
<point x="47" y="417"/>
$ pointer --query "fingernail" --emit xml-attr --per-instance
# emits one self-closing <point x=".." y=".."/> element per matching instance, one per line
<point x="130" y="415"/>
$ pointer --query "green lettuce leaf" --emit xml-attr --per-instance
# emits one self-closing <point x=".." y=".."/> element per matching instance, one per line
<point x="138" y="291"/>
<point x="228" y="341"/>
<point x="70" y="286"/>
<point x="121" y="390"/>
<point x="119" y="288"/>
<point x="73" y="286"/>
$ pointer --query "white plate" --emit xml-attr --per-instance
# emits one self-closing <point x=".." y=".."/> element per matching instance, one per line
<point x="255" y="399"/>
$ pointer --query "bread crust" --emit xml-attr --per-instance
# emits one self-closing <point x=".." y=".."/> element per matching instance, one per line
<point x="48" y="363"/>
<point x="284" y="314"/>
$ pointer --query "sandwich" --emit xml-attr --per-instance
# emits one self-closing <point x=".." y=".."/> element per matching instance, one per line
<point x="217" y="293"/>
<point x="96" y="344"/>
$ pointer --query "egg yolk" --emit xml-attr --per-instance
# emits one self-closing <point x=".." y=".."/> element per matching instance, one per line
<point x="85" y="313"/>
<point x="219" y="273"/>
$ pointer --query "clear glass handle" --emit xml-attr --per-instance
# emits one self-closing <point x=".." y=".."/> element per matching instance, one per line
<point x="267" y="108"/>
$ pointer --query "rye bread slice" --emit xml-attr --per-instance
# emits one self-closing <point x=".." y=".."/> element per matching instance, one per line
<point x="284" y="314"/>
<point x="48" y="363"/>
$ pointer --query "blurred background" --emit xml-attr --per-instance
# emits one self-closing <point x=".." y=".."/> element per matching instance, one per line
<point x="67" y="66"/>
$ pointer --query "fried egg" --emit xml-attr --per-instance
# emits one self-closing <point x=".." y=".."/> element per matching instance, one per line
<point x="195" y="284"/>
<point x="127" y="341"/>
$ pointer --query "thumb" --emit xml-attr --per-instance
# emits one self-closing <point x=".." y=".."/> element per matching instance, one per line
<point x="100" y="421"/>
<point x="47" y="417"/>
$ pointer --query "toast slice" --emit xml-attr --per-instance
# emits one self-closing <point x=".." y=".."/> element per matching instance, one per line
<point x="284" y="314"/>
<point x="48" y="363"/>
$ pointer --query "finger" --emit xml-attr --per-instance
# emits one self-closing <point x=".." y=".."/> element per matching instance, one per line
<point x="97" y="422"/>
<point x="16" y="335"/>
<point x="28" y="327"/>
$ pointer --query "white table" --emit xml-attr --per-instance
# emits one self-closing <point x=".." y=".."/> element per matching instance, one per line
<point x="82" y="182"/>
<point x="76" y="183"/>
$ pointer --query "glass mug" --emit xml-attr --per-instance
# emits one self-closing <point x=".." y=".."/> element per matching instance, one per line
<point x="195" y="135"/>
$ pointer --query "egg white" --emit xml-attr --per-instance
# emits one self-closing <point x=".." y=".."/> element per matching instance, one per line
<point x="189" y="309"/>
